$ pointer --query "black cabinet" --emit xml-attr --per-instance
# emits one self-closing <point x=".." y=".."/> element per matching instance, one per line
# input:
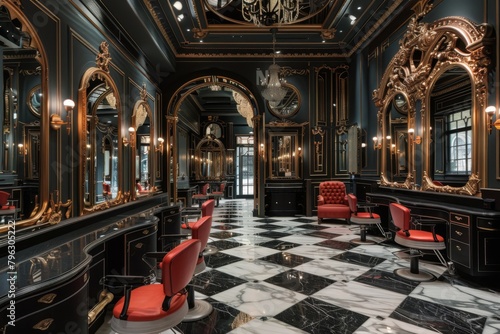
<point x="170" y="223"/>
<point x="284" y="199"/>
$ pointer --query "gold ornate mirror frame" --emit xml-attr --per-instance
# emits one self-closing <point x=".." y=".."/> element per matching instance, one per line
<point x="42" y="213"/>
<point x="142" y="111"/>
<point x="426" y="51"/>
<point x="101" y="72"/>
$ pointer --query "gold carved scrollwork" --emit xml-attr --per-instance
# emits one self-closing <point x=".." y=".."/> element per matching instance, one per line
<point x="408" y="184"/>
<point x="470" y="188"/>
<point x="427" y="50"/>
<point x="103" y="57"/>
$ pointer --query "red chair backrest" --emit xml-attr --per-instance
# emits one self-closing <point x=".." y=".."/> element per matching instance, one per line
<point x="106" y="187"/>
<point x="353" y="203"/>
<point x="4" y="198"/>
<point x="178" y="266"/>
<point x="222" y="187"/>
<point x="201" y="230"/>
<point x="204" y="190"/>
<point x="139" y="187"/>
<point x="333" y="192"/>
<point x="400" y="216"/>
<point x="207" y="208"/>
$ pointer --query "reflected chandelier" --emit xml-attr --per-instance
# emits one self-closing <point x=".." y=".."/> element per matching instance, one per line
<point x="269" y="12"/>
<point x="274" y="91"/>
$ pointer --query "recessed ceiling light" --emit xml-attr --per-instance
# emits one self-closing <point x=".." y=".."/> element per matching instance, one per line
<point x="359" y="8"/>
<point x="178" y="5"/>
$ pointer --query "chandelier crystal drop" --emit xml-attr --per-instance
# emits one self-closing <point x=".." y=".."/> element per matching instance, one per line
<point x="274" y="92"/>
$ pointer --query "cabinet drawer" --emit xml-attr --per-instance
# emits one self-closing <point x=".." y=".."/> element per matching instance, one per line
<point x="459" y="218"/>
<point x="460" y="233"/>
<point x="488" y="224"/>
<point x="460" y="253"/>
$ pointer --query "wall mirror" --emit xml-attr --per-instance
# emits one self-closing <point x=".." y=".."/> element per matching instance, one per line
<point x="211" y="159"/>
<point x="99" y="114"/>
<point x="21" y="159"/>
<point x="446" y="129"/>
<point x="143" y="156"/>
<point x="214" y="129"/>
<point x="283" y="154"/>
<point x="34" y="100"/>
<point x="289" y="106"/>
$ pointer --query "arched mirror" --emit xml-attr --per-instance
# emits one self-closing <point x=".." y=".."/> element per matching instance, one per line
<point x="99" y="123"/>
<point x="24" y="159"/>
<point x="289" y="106"/>
<point x="211" y="157"/>
<point x="441" y="87"/>
<point x="144" y="157"/>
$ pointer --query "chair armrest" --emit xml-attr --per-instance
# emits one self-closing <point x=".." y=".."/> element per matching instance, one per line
<point x="164" y="236"/>
<point x="321" y="200"/>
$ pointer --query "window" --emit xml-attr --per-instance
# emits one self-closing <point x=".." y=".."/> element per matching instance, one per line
<point x="459" y="143"/>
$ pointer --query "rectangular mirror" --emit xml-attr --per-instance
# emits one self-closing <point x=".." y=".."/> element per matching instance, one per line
<point x="283" y="155"/>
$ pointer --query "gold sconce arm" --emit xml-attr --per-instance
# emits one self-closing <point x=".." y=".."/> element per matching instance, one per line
<point x="490" y="111"/>
<point x="159" y="148"/>
<point x="414" y="139"/>
<point x="56" y="121"/>
<point x="131" y="140"/>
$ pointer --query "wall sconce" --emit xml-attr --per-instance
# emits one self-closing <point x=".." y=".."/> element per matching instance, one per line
<point x="299" y="149"/>
<point x="490" y="111"/>
<point x="20" y="149"/>
<point x="417" y="140"/>
<point x="131" y="139"/>
<point x="160" y="145"/>
<point x="262" y="150"/>
<point x="377" y="143"/>
<point x="56" y="121"/>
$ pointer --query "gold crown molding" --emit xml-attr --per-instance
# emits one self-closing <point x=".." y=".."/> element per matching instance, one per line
<point x="219" y="56"/>
<point x="374" y="27"/>
<point x="331" y="69"/>
<point x="158" y="23"/>
<point x="286" y="71"/>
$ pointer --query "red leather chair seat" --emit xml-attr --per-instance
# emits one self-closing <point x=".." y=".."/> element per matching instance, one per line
<point x="420" y="236"/>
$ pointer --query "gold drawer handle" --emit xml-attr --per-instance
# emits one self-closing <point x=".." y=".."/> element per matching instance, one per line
<point x="48" y="298"/>
<point x="458" y="218"/>
<point x="138" y="245"/>
<point x="44" y="324"/>
<point x="458" y="233"/>
<point x="145" y="232"/>
<point x="458" y="247"/>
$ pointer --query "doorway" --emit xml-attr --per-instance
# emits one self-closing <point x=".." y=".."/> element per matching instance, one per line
<point x="244" y="166"/>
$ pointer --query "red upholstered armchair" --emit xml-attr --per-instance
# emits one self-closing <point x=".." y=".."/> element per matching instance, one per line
<point x="332" y="201"/>
<point x="4" y="201"/>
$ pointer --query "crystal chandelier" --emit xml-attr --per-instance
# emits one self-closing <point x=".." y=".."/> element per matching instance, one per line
<point x="274" y="91"/>
<point x="269" y="12"/>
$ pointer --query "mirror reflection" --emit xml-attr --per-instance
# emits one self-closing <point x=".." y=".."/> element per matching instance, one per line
<point x="210" y="157"/>
<point x="284" y="155"/>
<point x="101" y="164"/>
<point x="288" y="106"/>
<point x="20" y="114"/>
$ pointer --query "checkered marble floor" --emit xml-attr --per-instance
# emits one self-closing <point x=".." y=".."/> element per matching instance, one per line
<point x="291" y="275"/>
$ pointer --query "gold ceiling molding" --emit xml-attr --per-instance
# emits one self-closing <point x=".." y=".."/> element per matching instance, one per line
<point x="158" y="23"/>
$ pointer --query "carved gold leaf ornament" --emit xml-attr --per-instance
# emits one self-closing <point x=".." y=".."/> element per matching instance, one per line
<point x="48" y="298"/>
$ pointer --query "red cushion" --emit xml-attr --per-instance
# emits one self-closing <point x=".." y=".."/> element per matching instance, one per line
<point x="334" y="211"/>
<point x="420" y="236"/>
<point x="366" y="215"/>
<point x="146" y="303"/>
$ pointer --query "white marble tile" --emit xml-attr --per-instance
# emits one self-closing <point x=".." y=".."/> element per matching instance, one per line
<point x="250" y="252"/>
<point x="270" y="326"/>
<point x="314" y="251"/>
<point x="361" y="298"/>
<point x="332" y="269"/>
<point x="248" y="239"/>
<point x="382" y="251"/>
<point x="286" y="223"/>
<point x="337" y="229"/>
<point x="253" y="270"/>
<point x="475" y="301"/>
<point x="259" y="299"/>
<point x="302" y="239"/>
<point x="388" y="325"/>
<point x="248" y="230"/>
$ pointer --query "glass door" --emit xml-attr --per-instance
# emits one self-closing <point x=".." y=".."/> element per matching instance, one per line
<point x="244" y="167"/>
